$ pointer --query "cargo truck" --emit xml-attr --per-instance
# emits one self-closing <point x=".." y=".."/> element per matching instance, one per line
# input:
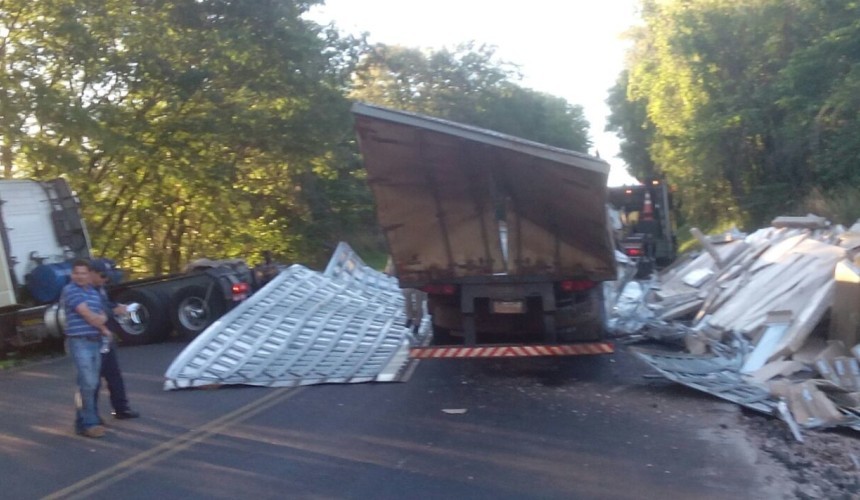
<point x="509" y="238"/>
<point x="42" y="232"/>
<point x="648" y="227"/>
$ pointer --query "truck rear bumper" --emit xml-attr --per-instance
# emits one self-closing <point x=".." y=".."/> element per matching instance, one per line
<point x="512" y="351"/>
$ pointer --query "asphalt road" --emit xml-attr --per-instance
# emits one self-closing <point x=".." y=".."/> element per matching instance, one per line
<point x="524" y="428"/>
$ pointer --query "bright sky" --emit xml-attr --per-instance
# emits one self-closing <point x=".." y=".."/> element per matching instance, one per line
<point x="568" y="48"/>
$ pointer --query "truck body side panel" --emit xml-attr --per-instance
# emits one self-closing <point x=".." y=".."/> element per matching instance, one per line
<point x="7" y="287"/>
<point x="40" y="223"/>
<point x="26" y="212"/>
<point x="557" y="221"/>
<point x="432" y="204"/>
<point x="442" y="188"/>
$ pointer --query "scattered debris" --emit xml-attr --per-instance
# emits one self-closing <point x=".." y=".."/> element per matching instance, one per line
<point x="764" y="320"/>
<point x="787" y="417"/>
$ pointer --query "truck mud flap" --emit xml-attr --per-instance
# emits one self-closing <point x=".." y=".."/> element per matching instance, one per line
<point x="517" y="351"/>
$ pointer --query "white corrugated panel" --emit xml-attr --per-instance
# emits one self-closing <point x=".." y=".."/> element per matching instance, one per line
<point x="304" y="327"/>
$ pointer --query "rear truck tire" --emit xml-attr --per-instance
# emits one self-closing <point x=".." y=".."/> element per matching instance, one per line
<point x="192" y="313"/>
<point x="154" y="324"/>
<point x="594" y="328"/>
<point x="589" y="319"/>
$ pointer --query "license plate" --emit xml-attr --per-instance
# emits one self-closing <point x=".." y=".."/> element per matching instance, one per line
<point x="508" y="307"/>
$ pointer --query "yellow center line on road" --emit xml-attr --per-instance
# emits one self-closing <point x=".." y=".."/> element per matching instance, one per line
<point x="97" y="482"/>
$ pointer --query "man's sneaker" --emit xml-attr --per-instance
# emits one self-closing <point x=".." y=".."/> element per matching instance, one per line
<point x="124" y="414"/>
<point x="95" y="431"/>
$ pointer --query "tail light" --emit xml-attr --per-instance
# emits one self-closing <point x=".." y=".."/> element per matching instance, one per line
<point x="240" y="290"/>
<point x="576" y="285"/>
<point x="634" y="251"/>
<point x="436" y="289"/>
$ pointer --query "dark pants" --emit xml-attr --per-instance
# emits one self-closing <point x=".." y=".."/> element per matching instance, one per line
<point x="116" y="387"/>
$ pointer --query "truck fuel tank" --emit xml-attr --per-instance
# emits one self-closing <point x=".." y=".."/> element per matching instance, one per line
<point x="46" y="281"/>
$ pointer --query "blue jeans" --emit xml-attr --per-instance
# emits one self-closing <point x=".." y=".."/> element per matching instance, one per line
<point x="88" y="361"/>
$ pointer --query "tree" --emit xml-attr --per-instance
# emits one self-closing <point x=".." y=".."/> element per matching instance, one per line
<point x="190" y="128"/>
<point x="629" y="120"/>
<point x="467" y="85"/>
<point x="740" y="95"/>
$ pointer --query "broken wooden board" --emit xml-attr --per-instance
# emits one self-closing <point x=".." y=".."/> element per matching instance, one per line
<point x="843" y="371"/>
<point x="845" y="314"/>
<point x="809" y="222"/>
<point x="809" y="405"/>
<point x="780" y="368"/>
<point x="776" y="325"/>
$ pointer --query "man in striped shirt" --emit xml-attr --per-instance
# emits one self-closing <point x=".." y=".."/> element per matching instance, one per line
<point x="85" y="324"/>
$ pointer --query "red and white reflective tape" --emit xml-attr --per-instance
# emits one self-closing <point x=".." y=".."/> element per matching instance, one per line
<point x="514" y="351"/>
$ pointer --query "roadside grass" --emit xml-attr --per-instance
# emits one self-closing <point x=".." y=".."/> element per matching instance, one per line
<point x="5" y="364"/>
<point x="31" y="354"/>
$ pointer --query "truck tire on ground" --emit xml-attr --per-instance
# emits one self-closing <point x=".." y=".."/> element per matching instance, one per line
<point x="191" y="313"/>
<point x="154" y="324"/>
<point x="595" y="328"/>
<point x="589" y="319"/>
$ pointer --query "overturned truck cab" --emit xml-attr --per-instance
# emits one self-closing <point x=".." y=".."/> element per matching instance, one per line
<point x="509" y="238"/>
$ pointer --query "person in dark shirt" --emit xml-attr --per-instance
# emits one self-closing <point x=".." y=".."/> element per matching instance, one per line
<point x="85" y="326"/>
<point x="101" y="272"/>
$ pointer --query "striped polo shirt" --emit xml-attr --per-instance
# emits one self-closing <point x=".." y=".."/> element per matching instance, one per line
<point x="73" y="296"/>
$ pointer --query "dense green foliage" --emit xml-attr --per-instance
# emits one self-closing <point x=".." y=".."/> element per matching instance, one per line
<point x="468" y="85"/>
<point x="750" y="106"/>
<point x="188" y="128"/>
<point x="221" y="128"/>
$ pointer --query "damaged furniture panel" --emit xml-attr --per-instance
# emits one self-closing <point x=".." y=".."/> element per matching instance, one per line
<point x="798" y="279"/>
<point x="759" y="337"/>
<point x="775" y="327"/>
<point x="719" y="376"/>
<point x="810" y="407"/>
<point x="712" y="374"/>
<point x="845" y="315"/>
<point x="809" y="221"/>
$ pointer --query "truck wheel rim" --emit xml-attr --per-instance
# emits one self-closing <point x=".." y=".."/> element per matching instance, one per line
<point x="193" y="313"/>
<point x="137" y="328"/>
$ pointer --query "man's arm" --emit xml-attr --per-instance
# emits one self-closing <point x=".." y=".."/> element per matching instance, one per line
<point x="116" y="308"/>
<point x="98" y="320"/>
